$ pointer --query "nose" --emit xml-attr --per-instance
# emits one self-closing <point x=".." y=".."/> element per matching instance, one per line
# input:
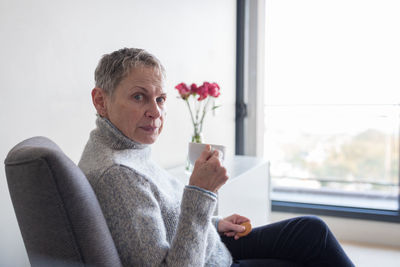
<point x="153" y="110"/>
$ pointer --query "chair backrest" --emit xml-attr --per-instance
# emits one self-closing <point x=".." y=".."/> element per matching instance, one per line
<point x="59" y="216"/>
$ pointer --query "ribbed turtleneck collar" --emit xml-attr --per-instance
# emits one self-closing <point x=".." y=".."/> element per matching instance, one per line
<point x="114" y="137"/>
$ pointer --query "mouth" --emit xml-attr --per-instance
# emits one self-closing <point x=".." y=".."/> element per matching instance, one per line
<point x="149" y="129"/>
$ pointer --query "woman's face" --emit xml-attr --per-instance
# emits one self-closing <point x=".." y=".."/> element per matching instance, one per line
<point x="137" y="106"/>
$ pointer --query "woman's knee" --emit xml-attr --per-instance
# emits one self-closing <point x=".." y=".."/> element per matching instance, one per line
<point x="314" y="222"/>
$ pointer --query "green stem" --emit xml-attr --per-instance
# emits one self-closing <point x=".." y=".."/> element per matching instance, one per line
<point x="197" y="105"/>
<point x="196" y="137"/>
<point x="190" y="110"/>
<point x="204" y="114"/>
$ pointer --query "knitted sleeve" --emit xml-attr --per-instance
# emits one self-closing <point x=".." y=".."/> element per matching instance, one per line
<point x="137" y="227"/>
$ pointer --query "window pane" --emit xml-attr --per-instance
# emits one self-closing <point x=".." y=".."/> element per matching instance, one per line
<point x="332" y="101"/>
<point x="340" y="155"/>
<point x="330" y="52"/>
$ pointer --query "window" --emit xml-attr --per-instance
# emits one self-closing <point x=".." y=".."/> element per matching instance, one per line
<point x="331" y="102"/>
<point x="331" y="106"/>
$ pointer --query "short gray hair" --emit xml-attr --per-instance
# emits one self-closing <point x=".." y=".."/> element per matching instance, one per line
<point x="113" y="67"/>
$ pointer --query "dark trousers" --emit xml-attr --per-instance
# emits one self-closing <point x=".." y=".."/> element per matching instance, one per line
<point x="301" y="241"/>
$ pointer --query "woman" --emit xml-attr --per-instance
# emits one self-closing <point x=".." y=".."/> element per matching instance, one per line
<point x="154" y="219"/>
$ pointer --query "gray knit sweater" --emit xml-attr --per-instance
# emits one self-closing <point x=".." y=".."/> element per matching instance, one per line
<point x="153" y="218"/>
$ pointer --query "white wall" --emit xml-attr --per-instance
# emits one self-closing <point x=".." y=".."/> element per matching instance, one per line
<point x="48" y="53"/>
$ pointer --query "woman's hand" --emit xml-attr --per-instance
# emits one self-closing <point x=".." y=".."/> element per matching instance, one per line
<point x="208" y="173"/>
<point x="230" y="226"/>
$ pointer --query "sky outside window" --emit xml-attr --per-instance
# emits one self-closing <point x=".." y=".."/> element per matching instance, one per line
<point x="333" y="52"/>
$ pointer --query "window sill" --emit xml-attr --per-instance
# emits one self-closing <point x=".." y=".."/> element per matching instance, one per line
<point x="335" y="203"/>
<point x="336" y="197"/>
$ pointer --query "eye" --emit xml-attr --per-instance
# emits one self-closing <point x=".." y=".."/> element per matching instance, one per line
<point x="161" y="99"/>
<point x="138" y="97"/>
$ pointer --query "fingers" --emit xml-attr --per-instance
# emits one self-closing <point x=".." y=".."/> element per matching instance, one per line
<point x="237" y="219"/>
<point x="214" y="158"/>
<point x="239" y="228"/>
<point x="234" y="233"/>
<point x="242" y="219"/>
<point x="214" y="161"/>
<point x="208" y="172"/>
<point x="229" y="234"/>
<point x="210" y="156"/>
<point x="232" y="226"/>
<point x="206" y="154"/>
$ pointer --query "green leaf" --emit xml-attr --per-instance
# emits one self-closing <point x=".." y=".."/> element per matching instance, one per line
<point x="215" y="107"/>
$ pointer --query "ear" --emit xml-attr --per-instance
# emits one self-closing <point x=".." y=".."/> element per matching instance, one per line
<point x="99" y="99"/>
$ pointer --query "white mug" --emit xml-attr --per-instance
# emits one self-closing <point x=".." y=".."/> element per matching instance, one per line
<point x="195" y="150"/>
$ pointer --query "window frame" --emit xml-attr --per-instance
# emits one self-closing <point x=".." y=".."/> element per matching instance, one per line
<point x="240" y="109"/>
<point x="245" y="11"/>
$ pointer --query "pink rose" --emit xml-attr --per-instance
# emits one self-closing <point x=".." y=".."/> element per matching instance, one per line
<point x="203" y="91"/>
<point x="183" y="90"/>
<point x="193" y="88"/>
<point x="213" y="90"/>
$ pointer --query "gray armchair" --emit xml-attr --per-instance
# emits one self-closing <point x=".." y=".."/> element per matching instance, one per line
<point x="57" y="211"/>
